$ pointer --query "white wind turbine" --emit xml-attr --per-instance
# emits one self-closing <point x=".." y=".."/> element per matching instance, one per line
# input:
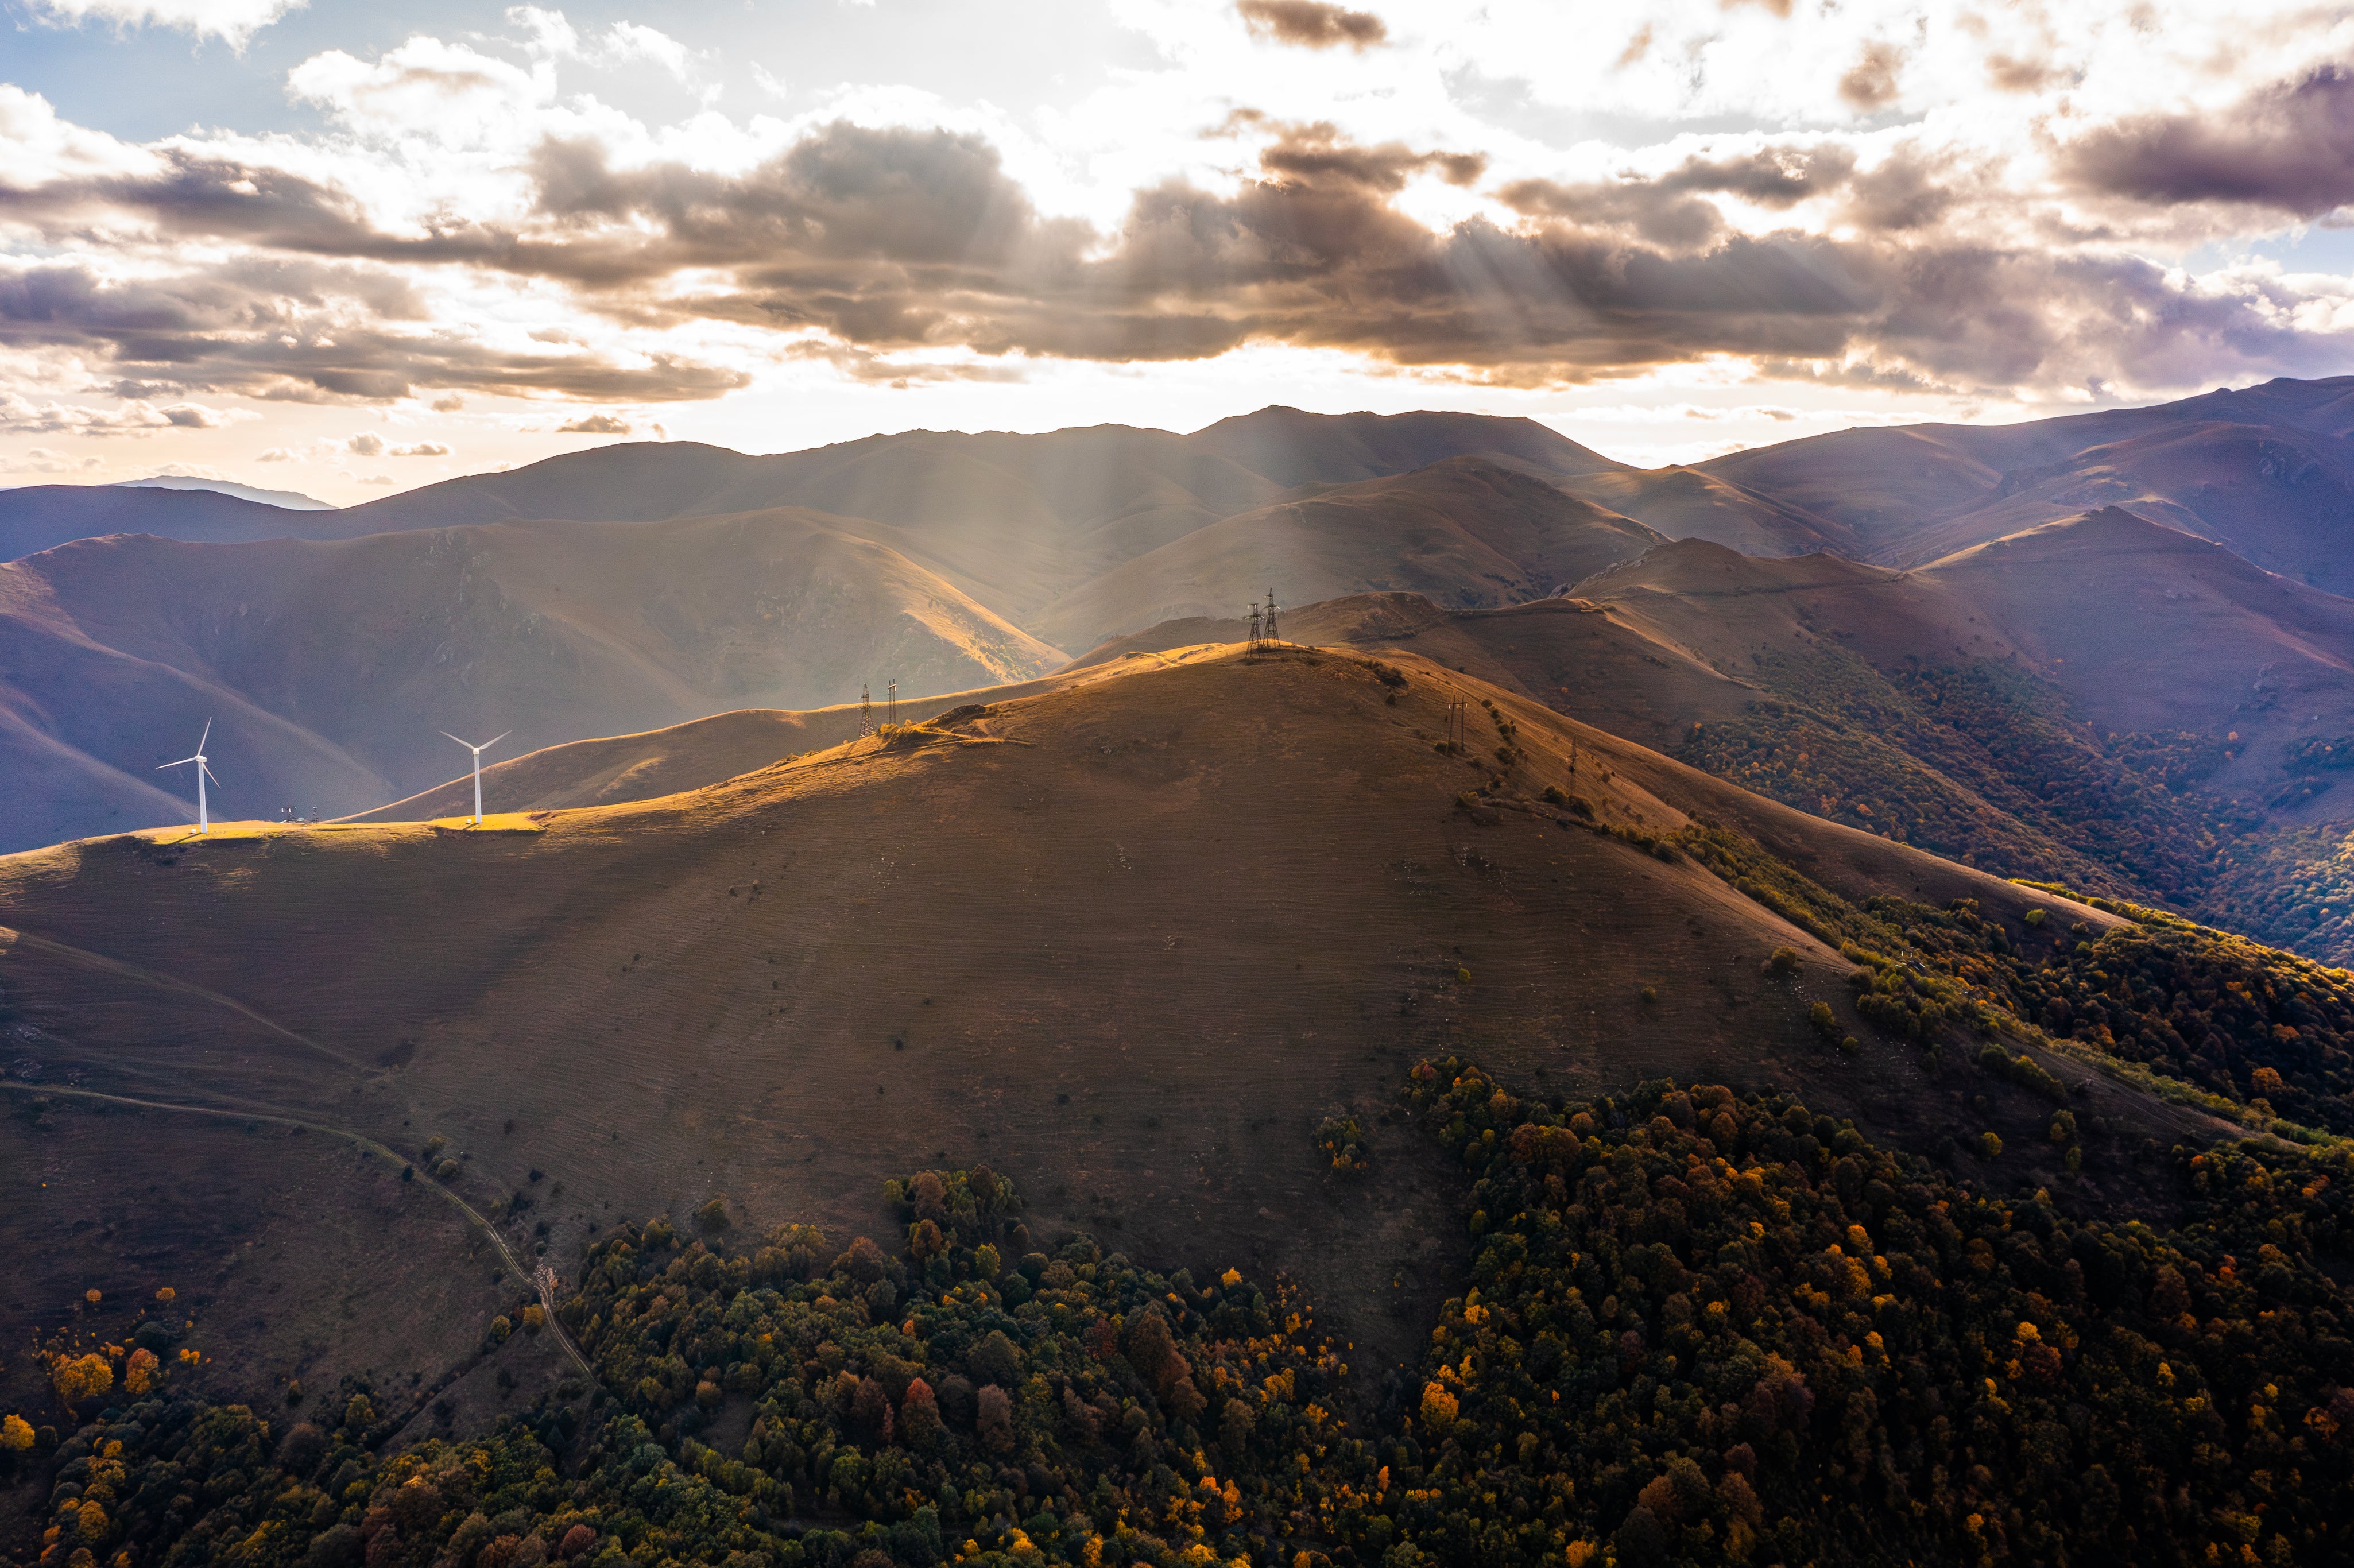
<point x="204" y="818"/>
<point x="478" y="751"/>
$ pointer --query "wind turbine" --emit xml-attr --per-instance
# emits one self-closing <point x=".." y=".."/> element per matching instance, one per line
<point x="204" y="818"/>
<point x="478" y="751"/>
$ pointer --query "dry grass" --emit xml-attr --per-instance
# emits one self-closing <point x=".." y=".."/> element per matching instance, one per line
<point x="1131" y="948"/>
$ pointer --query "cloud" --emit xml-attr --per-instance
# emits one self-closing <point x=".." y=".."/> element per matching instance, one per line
<point x="466" y="229"/>
<point x="20" y="416"/>
<point x="1871" y="82"/>
<point x="1310" y="24"/>
<point x="553" y="37"/>
<point x="302" y="330"/>
<point x="595" y="425"/>
<point x="235" y="21"/>
<point x="2288" y="146"/>
<point x="448" y="92"/>
<point x="420" y="449"/>
<point x="364" y="445"/>
<point x="626" y="41"/>
<point x="41" y="459"/>
<point x="276" y="454"/>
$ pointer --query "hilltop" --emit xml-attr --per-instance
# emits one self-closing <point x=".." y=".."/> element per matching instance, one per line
<point x="1127" y="941"/>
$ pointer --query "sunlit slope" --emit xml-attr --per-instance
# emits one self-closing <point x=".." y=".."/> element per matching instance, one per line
<point x="330" y="667"/>
<point x="1127" y="941"/>
<point x="2267" y="471"/>
<point x="1463" y="531"/>
<point x="1687" y="503"/>
<point x="614" y="770"/>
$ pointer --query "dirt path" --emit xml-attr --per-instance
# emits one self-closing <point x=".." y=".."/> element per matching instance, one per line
<point x="506" y="1255"/>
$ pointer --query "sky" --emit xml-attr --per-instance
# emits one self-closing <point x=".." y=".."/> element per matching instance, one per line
<point x="347" y="249"/>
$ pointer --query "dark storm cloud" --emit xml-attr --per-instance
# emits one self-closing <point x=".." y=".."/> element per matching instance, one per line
<point x="881" y="242"/>
<point x="1312" y="24"/>
<point x="2289" y="146"/>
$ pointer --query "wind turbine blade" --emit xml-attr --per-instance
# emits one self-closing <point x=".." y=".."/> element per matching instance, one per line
<point x="206" y="736"/>
<point x="495" y="739"/>
<point x="467" y="744"/>
<point x="208" y="772"/>
<point x="183" y="762"/>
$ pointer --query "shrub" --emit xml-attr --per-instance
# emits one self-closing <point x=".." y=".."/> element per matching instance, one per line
<point x="1343" y="1141"/>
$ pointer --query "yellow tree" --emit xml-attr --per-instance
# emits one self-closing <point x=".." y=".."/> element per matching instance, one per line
<point x="78" y="1378"/>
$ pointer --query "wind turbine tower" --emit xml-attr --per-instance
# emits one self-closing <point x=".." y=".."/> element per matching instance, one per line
<point x="204" y="818"/>
<point x="478" y="751"/>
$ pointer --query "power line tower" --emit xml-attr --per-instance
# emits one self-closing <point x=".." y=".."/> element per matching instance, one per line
<point x="865" y="713"/>
<point x="891" y="704"/>
<point x="1252" y="646"/>
<point x="1274" y="631"/>
<point x="1458" y="726"/>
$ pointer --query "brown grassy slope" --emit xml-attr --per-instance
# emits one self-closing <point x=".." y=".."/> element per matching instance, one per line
<point x="1874" y="482"/>
<point x="1465" y="531"/>
<point x="614" y="770"/>
<point x="330" y="666"/>
<point x="1724" y="607"/>
<point x="1126" y="941"/>
<point x="2147" y="628"/>
<point x="1687" y="503"/>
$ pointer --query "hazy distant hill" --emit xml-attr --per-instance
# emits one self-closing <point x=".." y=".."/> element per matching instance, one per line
<point x="1464" y="531"/>
<point x="2267" y="472"/>
<point x="291" y="500"/>
<point x="42" y="516"/>
<point x="330" y="666"/>
<point x="999" y="551"/>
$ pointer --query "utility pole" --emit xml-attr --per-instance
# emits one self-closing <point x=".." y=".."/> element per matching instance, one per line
<point x="891" y="704"/>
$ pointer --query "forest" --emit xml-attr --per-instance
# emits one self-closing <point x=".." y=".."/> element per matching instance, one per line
<point x="1698" y="1327"/>
<point x="1986" y="764"/>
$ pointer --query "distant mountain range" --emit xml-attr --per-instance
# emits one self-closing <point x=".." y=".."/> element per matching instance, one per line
<point x="640" y="586"/>
<point x="291" y="500"/>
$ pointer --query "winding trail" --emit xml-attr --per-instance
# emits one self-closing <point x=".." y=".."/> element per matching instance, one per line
<point x="506" y="1256"/>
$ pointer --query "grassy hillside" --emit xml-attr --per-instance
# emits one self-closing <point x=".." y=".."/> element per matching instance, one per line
<point x="1156" y="948"/>
<point x="1055" y="933"/>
